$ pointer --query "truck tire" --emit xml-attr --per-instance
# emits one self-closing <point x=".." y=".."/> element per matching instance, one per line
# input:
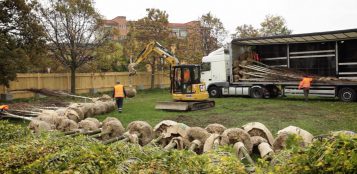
<point x="256" y="92"/>
<point x="347" y="94"/>
<point x="273" y="91"/>
<point x="214" y="92"/>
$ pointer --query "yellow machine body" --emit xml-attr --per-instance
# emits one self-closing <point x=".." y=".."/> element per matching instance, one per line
<point x="188" y="92"/>
<point x="199" y="93"/>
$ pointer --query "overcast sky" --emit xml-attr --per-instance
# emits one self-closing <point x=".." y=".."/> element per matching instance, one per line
<point x="302" y="16"/>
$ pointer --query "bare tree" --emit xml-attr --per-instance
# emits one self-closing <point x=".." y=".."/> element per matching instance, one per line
<point x="73" y="30"/>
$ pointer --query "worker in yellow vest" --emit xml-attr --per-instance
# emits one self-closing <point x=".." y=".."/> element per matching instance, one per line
<point x="119" y="95"/>
<point x="305" y="84"/>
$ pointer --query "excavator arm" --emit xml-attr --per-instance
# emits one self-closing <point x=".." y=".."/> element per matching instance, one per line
<point x="153" y="47"/>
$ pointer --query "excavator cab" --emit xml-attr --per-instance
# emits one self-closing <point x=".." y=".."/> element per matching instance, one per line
<point x="187" y="90"/>
<point x="186" y="83"/>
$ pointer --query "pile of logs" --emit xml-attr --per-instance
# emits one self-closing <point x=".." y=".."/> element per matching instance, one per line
<point x="130" y="91"/>
<point x="68" y="118"/>
<point x="251" y="138"/>
<point x="169" y="134"/>
<point x="245" y="68"/>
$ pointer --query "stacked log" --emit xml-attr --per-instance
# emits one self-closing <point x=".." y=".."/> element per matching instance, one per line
<point x="246" y="68"/>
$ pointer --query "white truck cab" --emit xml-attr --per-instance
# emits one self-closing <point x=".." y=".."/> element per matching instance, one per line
<point x="215" y="67"/>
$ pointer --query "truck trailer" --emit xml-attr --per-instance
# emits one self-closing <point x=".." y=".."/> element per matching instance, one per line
<point x="324" y="54"/>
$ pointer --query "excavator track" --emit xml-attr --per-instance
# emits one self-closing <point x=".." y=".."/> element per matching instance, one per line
<point x="184" y="105"/>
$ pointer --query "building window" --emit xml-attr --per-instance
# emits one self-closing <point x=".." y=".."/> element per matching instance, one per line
<point x="183" y="33"/>
<point x="122" y="37"/>
<point x="176" y="32"/>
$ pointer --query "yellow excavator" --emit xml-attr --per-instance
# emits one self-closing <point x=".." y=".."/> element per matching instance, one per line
<point x="188" y="92"/>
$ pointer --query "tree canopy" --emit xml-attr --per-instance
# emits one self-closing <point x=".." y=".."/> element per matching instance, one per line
<point x="271" y="26"/>
<point x="213" y="33"/>
<point x="21" y="39"/>
<point x="109" y="57"/>
<point x="245" y="31"/>
<point x="274" y="25"/>
<point x="153" y="27"/>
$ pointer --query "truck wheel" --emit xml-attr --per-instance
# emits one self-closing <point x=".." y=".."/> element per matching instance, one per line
<point x="274" y="91"/>
<point x="347" y="94"/>
<point x="256" y="92"/>
<point x="214" y="92"/>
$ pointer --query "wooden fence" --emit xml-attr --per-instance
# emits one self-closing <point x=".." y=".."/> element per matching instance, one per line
<point x="84" y="82"/>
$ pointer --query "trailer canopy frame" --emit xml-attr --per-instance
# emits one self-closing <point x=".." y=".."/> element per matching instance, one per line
<point x="300" y="38"/>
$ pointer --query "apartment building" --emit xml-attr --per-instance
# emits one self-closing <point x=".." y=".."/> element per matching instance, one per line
<point x="180" y="30"/>
<point x="120" y="24"/>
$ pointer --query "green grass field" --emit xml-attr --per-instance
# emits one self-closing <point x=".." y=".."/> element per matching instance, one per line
<point x="317" y="116"/>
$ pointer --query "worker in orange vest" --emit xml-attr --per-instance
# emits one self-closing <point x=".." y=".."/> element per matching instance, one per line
<point x="186" y="76"/>
<point x="4" y="108"/>
<point x="119" y="95"/>
<point x="305" y="84"/>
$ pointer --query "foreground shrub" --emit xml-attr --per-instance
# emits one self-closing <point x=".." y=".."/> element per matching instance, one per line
<point x="333" y="154"/>
<point x="180" y="161"/>
<point x="15" y="156"/>
<point x="11" y="132"/>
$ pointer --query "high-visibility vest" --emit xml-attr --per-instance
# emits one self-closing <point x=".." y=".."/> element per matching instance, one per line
<point x="118" y="91"/>
<point x="186" y="76"/>
<point x="305" y="83"/>
<point x="4" y="107"/>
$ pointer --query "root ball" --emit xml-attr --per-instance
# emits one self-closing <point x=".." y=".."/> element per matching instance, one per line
<point x="112" y="128"/>
<point x="259" y="129"/>
<point x="215" y="128"/>
<point x="234" y="135"/>
<point x="143" y="129"/>
<point x="38" y="126"/>
<point x="67" y="125"/>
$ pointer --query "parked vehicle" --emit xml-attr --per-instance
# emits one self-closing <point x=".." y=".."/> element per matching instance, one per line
<point x="327" y="54"/>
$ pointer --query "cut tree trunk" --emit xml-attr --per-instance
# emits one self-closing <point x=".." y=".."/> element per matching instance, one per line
<point x="153" y="68"/>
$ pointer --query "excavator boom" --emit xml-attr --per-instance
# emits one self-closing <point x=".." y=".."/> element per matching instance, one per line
<point x="187" y="90"/>
<point x="153" y="47"/>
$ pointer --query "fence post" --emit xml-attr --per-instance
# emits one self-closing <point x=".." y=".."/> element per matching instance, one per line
<point x="68" y="83"/>
<point x="92" y="80"/>
<point x="38" y="81"/>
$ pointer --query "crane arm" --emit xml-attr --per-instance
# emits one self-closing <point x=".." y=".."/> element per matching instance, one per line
<point x="153" y="47"/>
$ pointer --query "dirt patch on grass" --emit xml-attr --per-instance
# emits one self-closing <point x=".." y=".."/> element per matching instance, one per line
<point x="203" y="121"/>
<point x="47" y="102"/>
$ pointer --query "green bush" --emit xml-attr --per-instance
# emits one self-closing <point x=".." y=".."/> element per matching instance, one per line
<point x="84" y="157"/>
<point x="11" y="132"/>
<point x="179" y="161"/>
<point x="21" y="152"/>
<point x="334" y="154"/>
<point x="16" y="155"/>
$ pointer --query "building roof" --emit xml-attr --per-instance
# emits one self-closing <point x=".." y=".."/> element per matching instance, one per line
<point x="109" y="22"/>
<point x="182" y="25"/>
<point x="300" y="38"/>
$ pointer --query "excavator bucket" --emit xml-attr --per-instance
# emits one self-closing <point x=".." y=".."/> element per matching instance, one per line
<point x="174" y="106"/>
<point x="184" y="106"/>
